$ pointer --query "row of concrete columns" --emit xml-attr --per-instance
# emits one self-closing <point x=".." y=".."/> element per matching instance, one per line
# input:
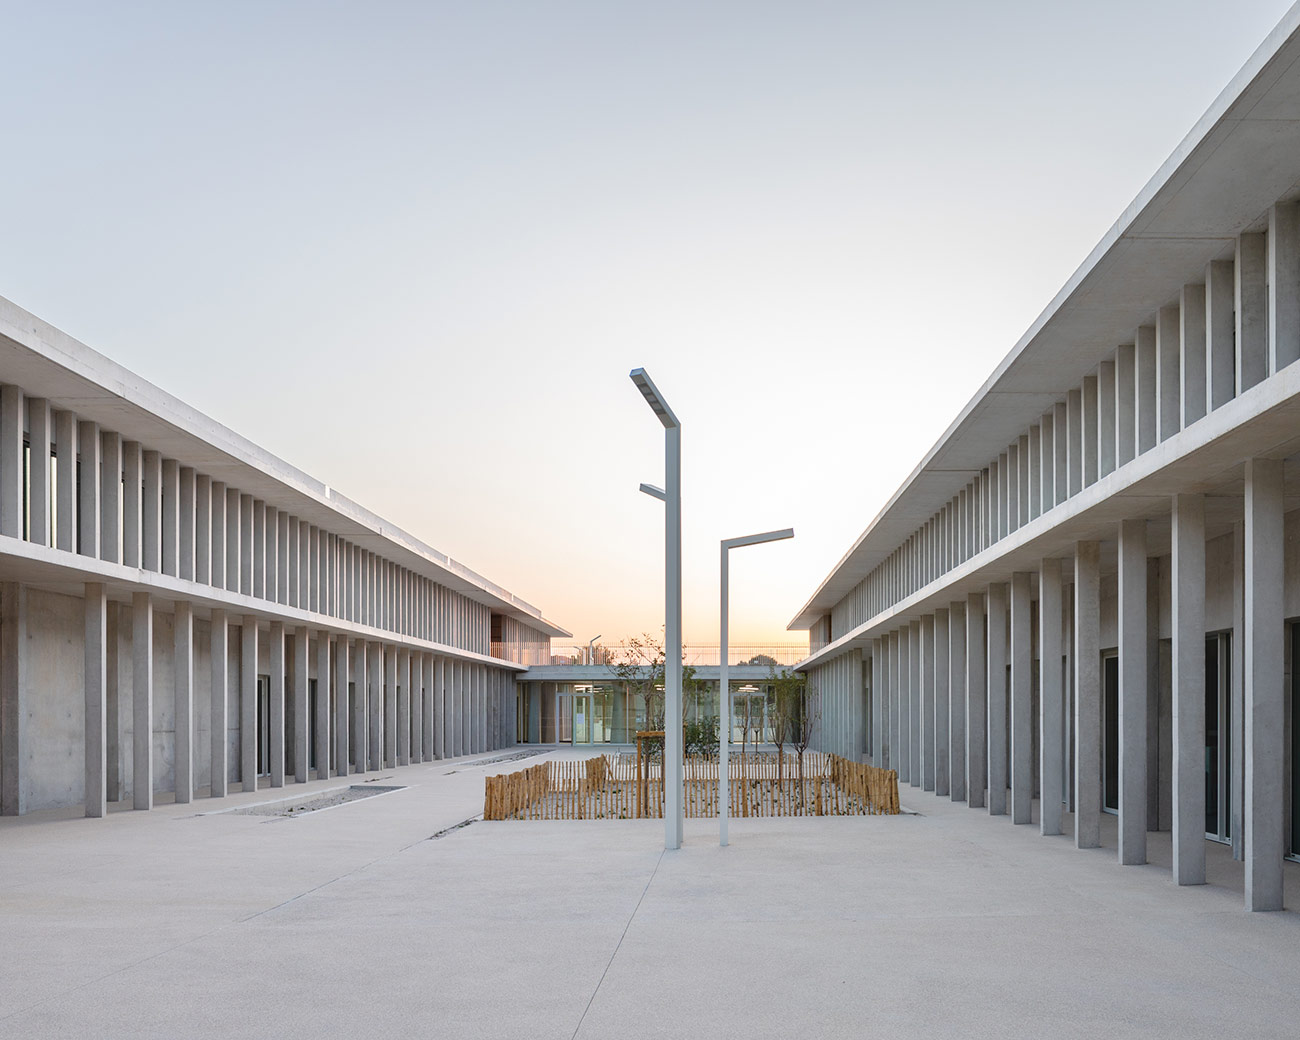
<point x="91" y="492"/>
<point x="392" y="706"/>
<point x="1224" y="334"/>
<point x="950" y="685"/>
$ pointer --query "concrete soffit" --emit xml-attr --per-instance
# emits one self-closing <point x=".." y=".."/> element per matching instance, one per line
<point x="1240" y="158"/>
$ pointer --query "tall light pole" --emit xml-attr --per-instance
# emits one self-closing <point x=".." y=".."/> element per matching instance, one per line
<point x="724" y="694"/>
<point x="591" y="650"/>
<point x="672" y="499"/>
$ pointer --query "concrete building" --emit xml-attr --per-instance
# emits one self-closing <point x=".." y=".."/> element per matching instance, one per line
<point x="1086" y="598"/>
<point x="181" y="611"/>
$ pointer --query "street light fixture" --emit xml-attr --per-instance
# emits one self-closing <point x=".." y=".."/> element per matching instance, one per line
<point x="724" y="694"/>
<point x="671" y="496"/>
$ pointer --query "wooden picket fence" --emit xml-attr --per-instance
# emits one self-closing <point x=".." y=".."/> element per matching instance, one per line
<point x="605" y="787"/>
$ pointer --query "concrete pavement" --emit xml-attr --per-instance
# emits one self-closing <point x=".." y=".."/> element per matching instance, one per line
<point x="351" y="921"/>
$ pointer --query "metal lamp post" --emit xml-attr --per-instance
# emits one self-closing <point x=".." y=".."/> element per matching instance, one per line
<point x="671" y="495"/>
<point x="724" y="694"/>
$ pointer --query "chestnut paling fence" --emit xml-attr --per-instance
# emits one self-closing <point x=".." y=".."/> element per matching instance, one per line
<point x="607" y="787"/>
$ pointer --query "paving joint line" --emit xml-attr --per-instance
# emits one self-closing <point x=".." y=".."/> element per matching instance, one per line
<point x="619" y="945"/>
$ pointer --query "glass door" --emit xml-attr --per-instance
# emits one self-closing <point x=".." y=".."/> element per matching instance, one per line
<point x="263" y="725"/>
<point x="581" y="718"/>
<point x="1110" y="732"/>
<point x="1218" y="736"/>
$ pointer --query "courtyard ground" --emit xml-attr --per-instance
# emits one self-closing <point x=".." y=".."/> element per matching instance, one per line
<point x="356" y="921"/>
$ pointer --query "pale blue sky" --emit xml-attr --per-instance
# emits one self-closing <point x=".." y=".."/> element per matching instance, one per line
<point x="414" y="249"/>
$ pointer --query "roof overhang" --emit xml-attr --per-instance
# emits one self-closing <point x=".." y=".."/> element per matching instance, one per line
<point x="1241" y="157"/>
<point x="48" y="363"/>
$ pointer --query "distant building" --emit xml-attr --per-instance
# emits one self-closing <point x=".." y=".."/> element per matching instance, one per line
<point x="181" y="611"/>
<point x="1088" y="592"/>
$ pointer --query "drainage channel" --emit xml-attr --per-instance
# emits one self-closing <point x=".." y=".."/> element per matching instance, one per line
<point x="328" y="800"/>
<point x="515" y="757"/>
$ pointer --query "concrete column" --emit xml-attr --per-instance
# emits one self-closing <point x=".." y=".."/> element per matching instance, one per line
<point x="132" y="511"/>
<point x="914" y="704"/>
<point x="976" y="702"/>
<point x="927" y="666"/>
<point x="942" y="784"/>
<point x="1133" y="385"/>
<point x="1051" y="699"/>
<point x="323" y="715"/>
<point x="1147" y="399"/>
<point x="39" y="438"/>
<point x="234" y="540"/>
<point x="142" y="700"/>
<point x="1073" y="442"/>
<point x="151" y="513"/>
<point x="291" y="569"/>
<point x="283" y="558"/>
<point x="1284" y="281"/>
<point x="479" y="714"/>
<point x="375" y="655"/>
<point x="404" y="706"/>
<point x="113" y="717"/>
<point x="1013" y="486"/>
<point x="391" y="704"/>
<point x="171" y="516"/>
<point x="96" y="676"/>
<point x="1192" y="345"/>
<point x="342" y="727"/>
<point x="262" y="574"/>
<point x="1265" y="704"/>
<point x="997" y="698"/>
<point x="301" y="713"/>
<point x="1169" y="376"/>
<point x="360" y="712"/>
<point x="1105" y="418"/>
<point x="957" y="701"/>
<point x="15" y="690"/>
<point x="1220" y="334"/>
<point x="276" y="663"/>
<point x="1133" y="691"/>
<point x="185" y="552"/>
<point x="88" y="484"/>
<point x="219" y="706"/>
<point x="430" y="716"/>
<point x="463" y="708"/>
<point x="878" y="710"/>
<point x="1022" y="762"/>
<point x="246" y="547"/>
<point x="417" y="707"/>
<point x="1060" y="464"/>
<point x="898" y="670"/>
<point x="11" y="461"/>
<point x="1187" y="586"/>
<point x="1087" y="695"/>
<point x="183" y="690"/>
<point x="442" y="724"/>
<point x="217" y="536"/>
<point x="202" y="529"/>
<point x="65" y="492"/>
<point x="110" y="497"/>
<point x="1089" y="429"/>
<point x="1251" y="310"/>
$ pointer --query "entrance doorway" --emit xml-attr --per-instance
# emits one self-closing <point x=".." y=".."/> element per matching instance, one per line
<point x="581" y="718"/>
<point x="1218" y="736"/>
<point x="263" y="725"/>
<point x="1110" y="732"/>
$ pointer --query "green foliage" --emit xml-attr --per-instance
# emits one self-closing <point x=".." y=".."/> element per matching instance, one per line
<point x="700" y="736"/>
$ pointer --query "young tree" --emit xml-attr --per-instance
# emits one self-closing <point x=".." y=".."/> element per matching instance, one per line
<point x="784" y="711"/>
<point x="638" y="664"/>
<point x="809" y="712"/>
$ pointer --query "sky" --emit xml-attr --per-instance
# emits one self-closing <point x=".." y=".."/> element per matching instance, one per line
<point x="414" y="249"/>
